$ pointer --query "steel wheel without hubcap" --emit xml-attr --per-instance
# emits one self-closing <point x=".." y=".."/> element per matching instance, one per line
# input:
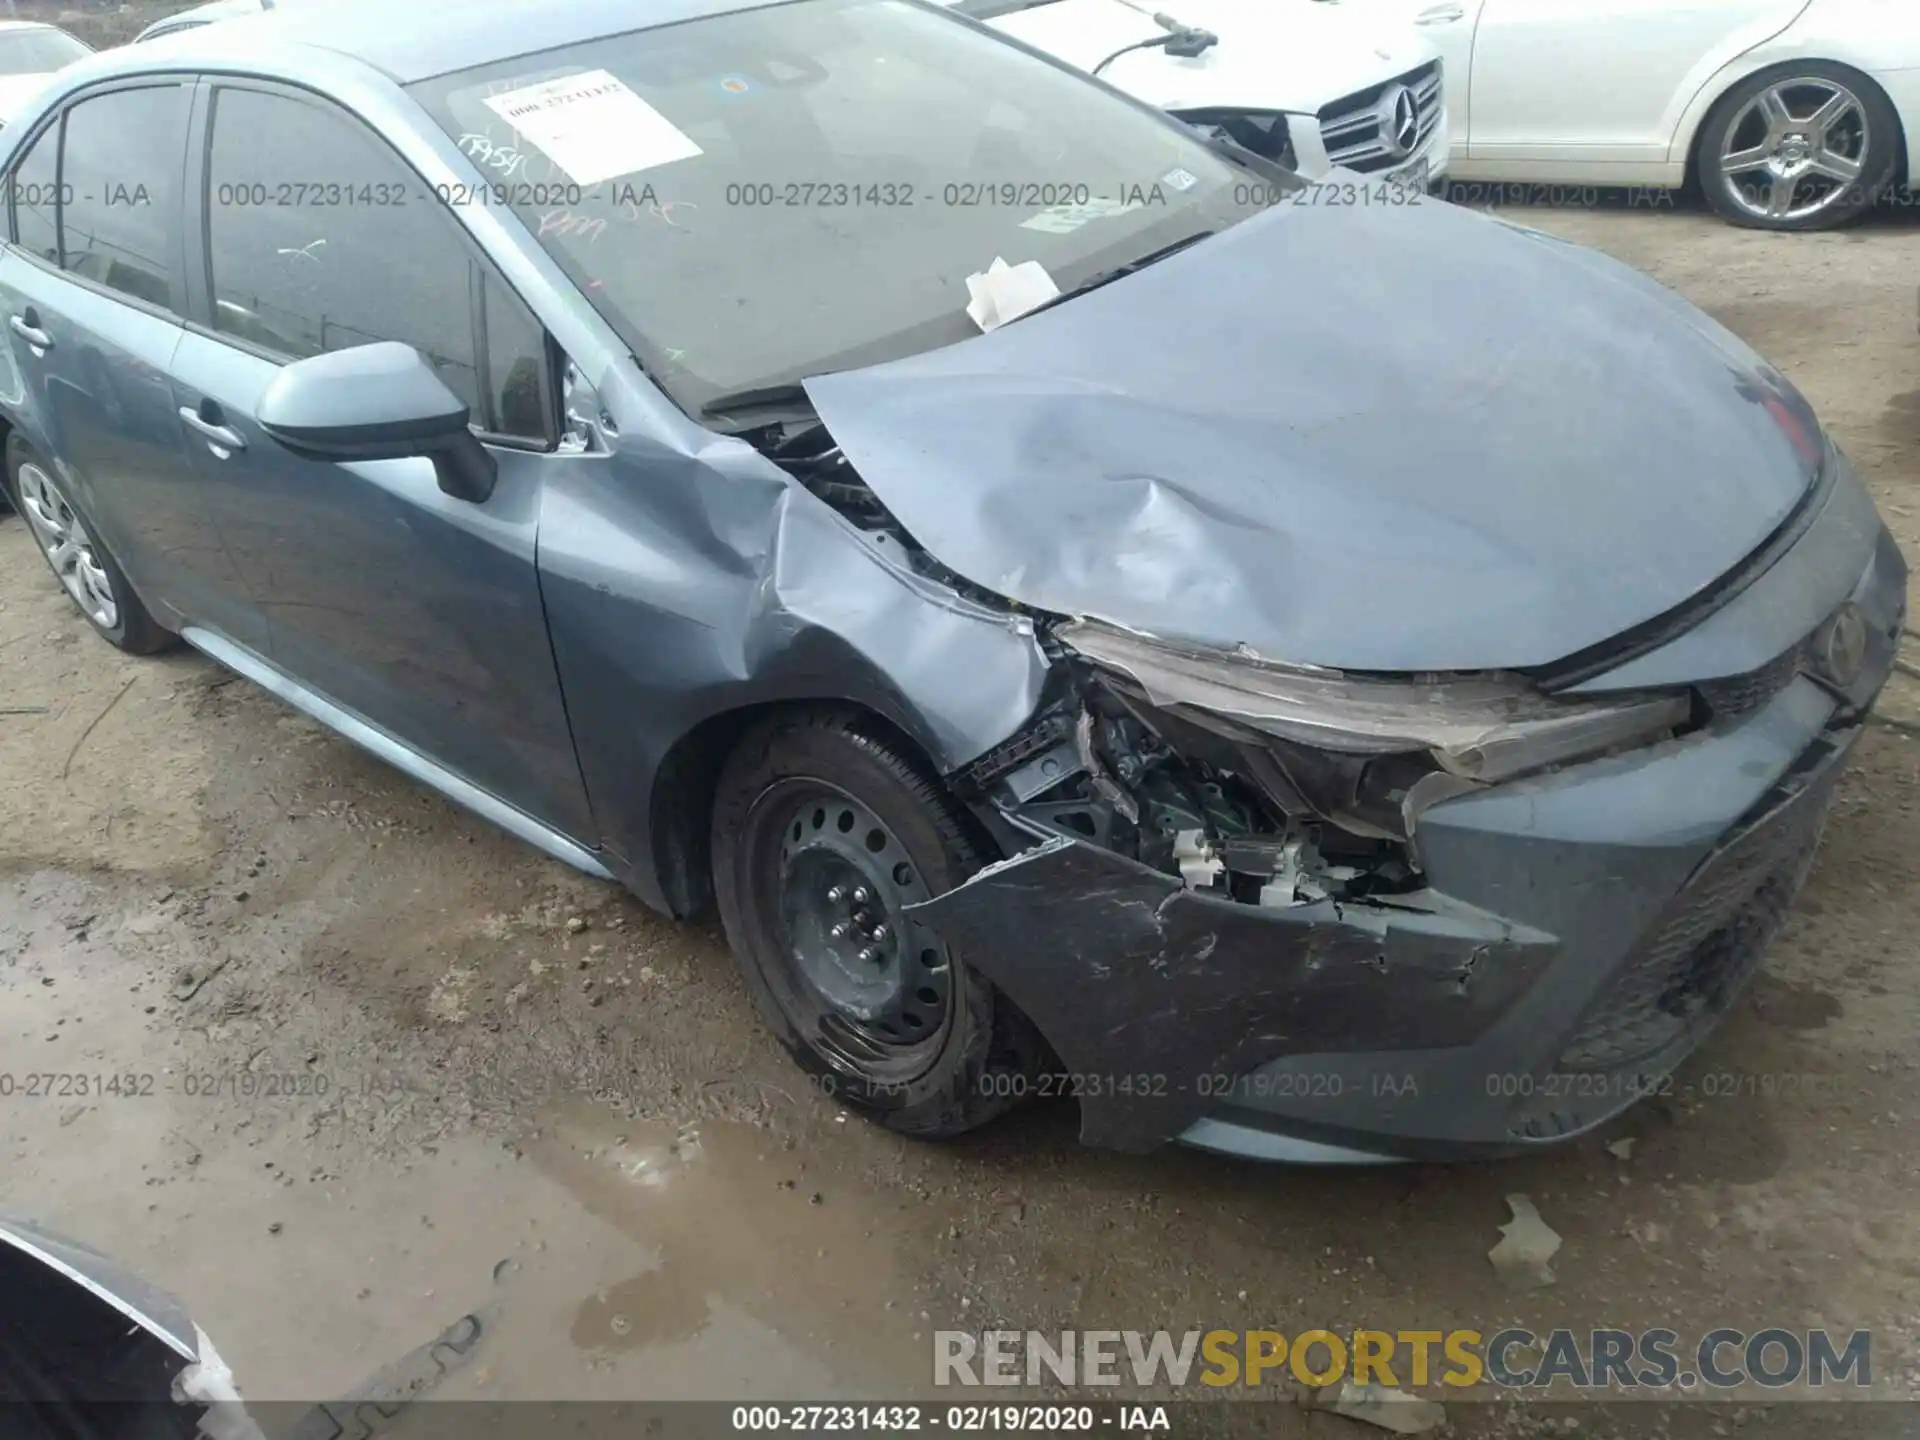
<point x="873" y="988"/>
<point x="1796" y="150"/>
<point x="64" y="540"/>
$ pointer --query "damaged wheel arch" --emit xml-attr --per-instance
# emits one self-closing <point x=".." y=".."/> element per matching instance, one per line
<point x="684" y="781"/>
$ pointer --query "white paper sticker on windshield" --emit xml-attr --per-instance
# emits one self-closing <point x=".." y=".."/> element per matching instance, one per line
<point x="593" y="126"/>
<point x="1065" y="219"/>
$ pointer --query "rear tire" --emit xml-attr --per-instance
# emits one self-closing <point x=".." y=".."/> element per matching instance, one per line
<point x="70" y="544"/>
<point x="820" y="822"/>
<point x="1800" y="173"/>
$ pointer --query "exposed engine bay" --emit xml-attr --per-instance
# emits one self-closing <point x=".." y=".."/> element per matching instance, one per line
<point x="1201" y="806"/>
<point x="1228" y="810"/>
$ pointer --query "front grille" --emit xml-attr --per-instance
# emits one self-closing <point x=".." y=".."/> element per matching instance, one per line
<point x="1741" y="695"/>
<point x="1707" y="944"/>
<point x="1359" y="131"/>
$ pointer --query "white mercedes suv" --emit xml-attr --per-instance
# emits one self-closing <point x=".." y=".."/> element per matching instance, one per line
<point x="1312" y="88"/>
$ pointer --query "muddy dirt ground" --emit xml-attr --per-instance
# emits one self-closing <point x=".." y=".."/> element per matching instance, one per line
<point x="587" y="1130"/>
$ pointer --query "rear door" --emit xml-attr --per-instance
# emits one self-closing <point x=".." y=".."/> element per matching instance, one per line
<point x="92" y="295"/>
<point x="1602" y="80"/>
<point x="417" y="612"/>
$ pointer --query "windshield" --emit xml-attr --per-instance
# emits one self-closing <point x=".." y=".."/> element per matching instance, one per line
<point x="766" y="195"/>
<point x="38" y="51"/>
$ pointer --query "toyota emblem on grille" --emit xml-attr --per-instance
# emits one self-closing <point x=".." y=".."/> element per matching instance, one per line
<point x="1399" y="121"/>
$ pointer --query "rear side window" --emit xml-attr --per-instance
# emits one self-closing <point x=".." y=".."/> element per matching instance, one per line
<point x="34" y="192"/>
<point x="120" y="178"/>
<point x="98" y="192"/>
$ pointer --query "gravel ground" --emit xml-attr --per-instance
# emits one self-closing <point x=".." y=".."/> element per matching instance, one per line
<point x="395" y="1080"/>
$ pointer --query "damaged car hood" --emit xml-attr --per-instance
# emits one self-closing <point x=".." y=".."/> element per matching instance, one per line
<point x="1388" y="436"/>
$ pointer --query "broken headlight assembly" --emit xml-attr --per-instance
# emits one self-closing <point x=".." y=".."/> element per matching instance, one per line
<point x="1265" y="132"/>
<point x="1480" y="729"/>
<point x="1281" y="785"/>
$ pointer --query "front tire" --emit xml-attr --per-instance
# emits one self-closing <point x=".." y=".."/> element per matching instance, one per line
<point x="823" y="832"/>
<point x="1808" y="145"/>
<point x="93" y="581"/>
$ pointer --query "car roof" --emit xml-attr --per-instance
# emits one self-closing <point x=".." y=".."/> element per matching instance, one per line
<point x="413" y="42"/>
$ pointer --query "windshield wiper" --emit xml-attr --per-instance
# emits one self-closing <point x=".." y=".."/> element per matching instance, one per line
<point x="1107" y="277"/>
<point x="790" y="396"/>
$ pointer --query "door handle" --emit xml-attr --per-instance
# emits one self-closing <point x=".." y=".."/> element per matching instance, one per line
<point x="24" y="327"/>
<point x="218" y="437"/>
<point x="1440" y="15"/>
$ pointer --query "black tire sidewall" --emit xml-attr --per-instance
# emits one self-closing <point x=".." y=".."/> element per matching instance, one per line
<point x="1883" y="154"/>
<point x="957" y="1090"/>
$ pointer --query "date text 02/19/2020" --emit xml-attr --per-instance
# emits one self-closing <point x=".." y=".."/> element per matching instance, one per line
<point x="140" y="1085"/>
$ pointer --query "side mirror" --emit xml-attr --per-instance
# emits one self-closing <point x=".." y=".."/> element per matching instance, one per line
<point x="377" y="402"/>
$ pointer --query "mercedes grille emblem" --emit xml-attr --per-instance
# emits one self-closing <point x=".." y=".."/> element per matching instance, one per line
<point x="1399" y="121"/>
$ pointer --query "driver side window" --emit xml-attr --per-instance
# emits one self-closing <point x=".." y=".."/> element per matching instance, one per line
<point x="321" y="239"/>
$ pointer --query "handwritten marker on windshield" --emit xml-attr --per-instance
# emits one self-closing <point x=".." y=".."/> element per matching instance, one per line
<point x="306" y="249"/>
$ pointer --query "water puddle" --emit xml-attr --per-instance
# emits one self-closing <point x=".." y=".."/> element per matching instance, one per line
<point x="742" y="1274"/>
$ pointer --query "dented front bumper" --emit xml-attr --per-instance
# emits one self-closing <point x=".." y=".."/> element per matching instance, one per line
<point x="1581" y="933"/>
<point x="1449" y="1022"/>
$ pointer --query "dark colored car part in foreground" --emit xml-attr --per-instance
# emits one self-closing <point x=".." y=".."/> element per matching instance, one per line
<point x="1341" y="682"/>
<point x="91" y="1352"/>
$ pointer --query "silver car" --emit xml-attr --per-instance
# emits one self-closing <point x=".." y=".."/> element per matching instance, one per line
<point x="1306" y="670"/>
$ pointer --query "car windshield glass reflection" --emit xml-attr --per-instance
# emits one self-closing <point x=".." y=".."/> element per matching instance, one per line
<point x="764" y="195"/>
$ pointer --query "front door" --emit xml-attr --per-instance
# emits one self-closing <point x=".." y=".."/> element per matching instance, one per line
<point x="417" y="612"/>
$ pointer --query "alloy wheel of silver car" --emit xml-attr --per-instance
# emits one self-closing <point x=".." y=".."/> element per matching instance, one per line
<point x="63" y="538"/>
<point x="1796" y="150"/>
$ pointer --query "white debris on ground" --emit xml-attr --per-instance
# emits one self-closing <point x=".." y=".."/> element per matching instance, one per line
<point x="1527" y="1244"/>
<point x="1388" y="1408"/>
